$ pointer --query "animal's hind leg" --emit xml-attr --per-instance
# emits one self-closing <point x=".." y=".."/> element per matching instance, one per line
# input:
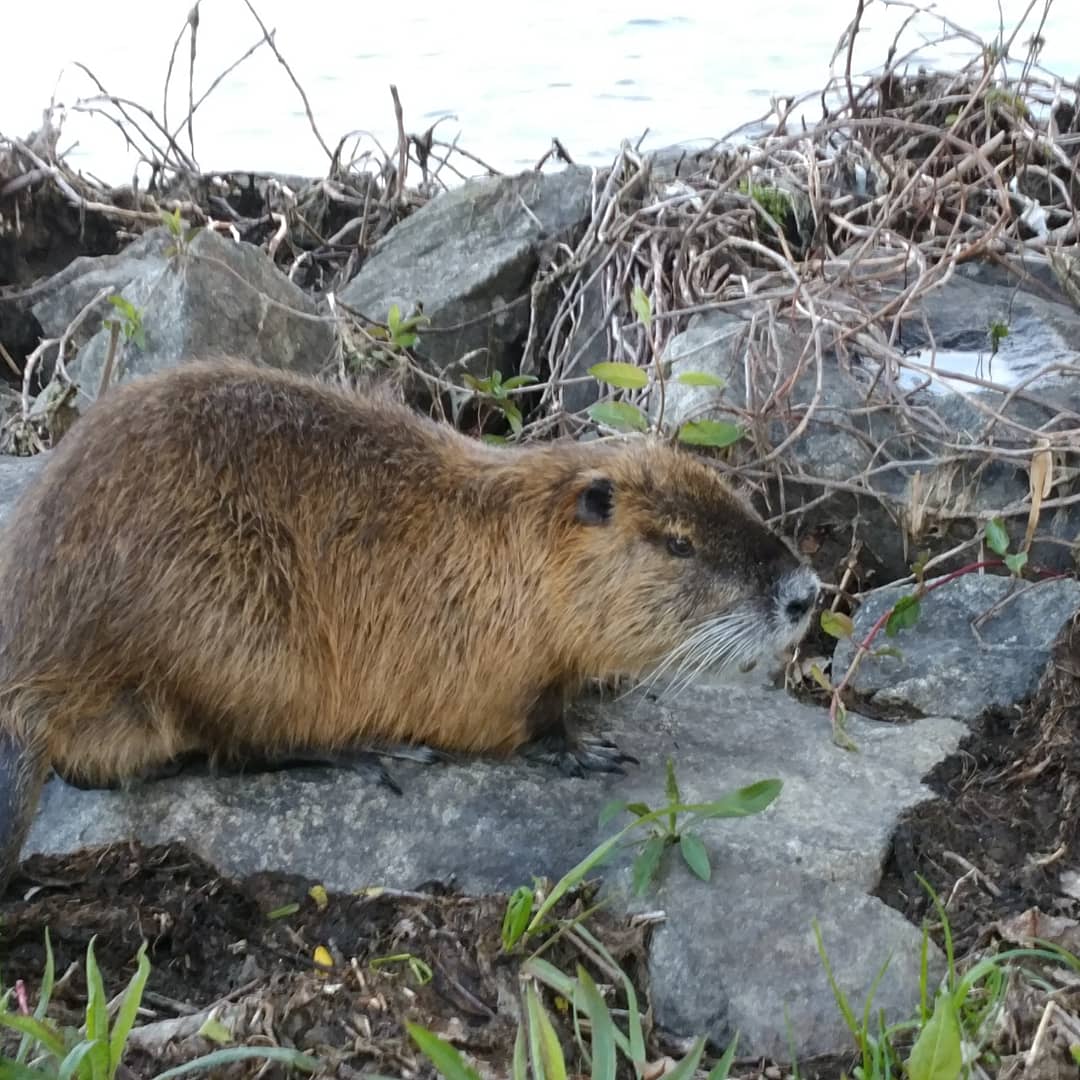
<point x="101" y="740"/>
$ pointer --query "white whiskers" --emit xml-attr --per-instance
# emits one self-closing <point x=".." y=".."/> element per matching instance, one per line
<point x="722" y="641"/>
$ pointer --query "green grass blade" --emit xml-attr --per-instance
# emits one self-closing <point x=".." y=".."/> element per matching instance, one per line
<point x="603" y="1027"/>
<point x="937" y="1053"/>
<point x="286" y="1056"/>
<point x="97" y="1016"/>
<point x="685" y="1068"/>
<point x="441" y="1054"/>
<point x="520" y="1069"/>
<point x="14" y="1070"/>
<point x="70" y="1065"/>
<point x="41" y="1031"/>
<point x="721" y="1069"/>
<point x="635" y="1041"/>
<point x="44" y="997"/>
<point x="547" y="1051"/>
<point x="129" y="1007"/>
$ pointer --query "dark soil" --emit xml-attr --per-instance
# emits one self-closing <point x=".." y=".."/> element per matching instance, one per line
<point x="212" y="940"/>
<point x="1003" y="828"/>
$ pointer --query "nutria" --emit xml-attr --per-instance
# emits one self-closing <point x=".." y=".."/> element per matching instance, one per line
<point x="236" y="561"/>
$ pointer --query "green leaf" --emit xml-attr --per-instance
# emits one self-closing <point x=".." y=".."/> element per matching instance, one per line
<point x="513" y="414"/>
<point x="519" y="380"/>
<point x="41" y="1031"/>
<point x="44" y="997"/>
<point x="671" y="785"/>
<point x="516" y="918"/>
<point x="393" y="319"/>
<point x="521" y="1061"/>
<point x="620" y="415"/>
<point x="1016" y="562"/>
<point x="937" y="1054"/>
<point x="639" y="808"/>
<point x="684" y="1070"/>
<point x="836" y="624"/>
<point x="611" y="810"/>
<point x="646" y="863"/>
<point x="14" y="1071"/>
<point x="904" y="615"/>
<point x="494" y="440"/>
<point x="215" y="1031"/>
<point x="700" y="378"/>
<point x="97" y="1016"/>
<point x="642" y="305"/>
<point x="129" y="1008"/>
<point x="721" y="1069"/>
<point x="710" y="433"/>
<point x="441" y="1054"/>
<point x="819" y="677"/>
<point x="695" y="855"/>
<point x="997" y="539"/>
<point x="70" y="1065"/>
<point x="283" y="912"/>
<point x="624" y="376"/>
<point x="548" y="1061"/>
<point x="889" y="650"/>
<point x="752" y="799"/>
<point x="603" y="1027"/>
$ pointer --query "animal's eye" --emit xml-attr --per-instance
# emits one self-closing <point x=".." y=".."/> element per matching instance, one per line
<point x="680" y="547"/>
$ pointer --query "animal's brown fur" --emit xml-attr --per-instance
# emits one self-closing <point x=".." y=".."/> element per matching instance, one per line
<point x="234" y="560"/>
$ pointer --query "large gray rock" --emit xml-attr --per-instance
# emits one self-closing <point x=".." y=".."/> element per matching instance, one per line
<point x="465" y="256"/>
<point x="949" y="665"/>
<point x="745" y="938"/>
<point x="218" y="296"/>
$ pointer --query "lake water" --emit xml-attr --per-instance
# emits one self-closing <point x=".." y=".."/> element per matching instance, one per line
<point x="590" y="72"/>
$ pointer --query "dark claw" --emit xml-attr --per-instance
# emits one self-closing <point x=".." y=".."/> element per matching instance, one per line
<point x="578" y="755"/>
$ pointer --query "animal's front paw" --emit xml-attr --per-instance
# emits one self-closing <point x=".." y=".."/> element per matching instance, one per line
<point x="576" y="755"/>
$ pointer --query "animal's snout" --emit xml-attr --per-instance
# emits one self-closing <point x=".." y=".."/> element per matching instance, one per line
<point x="797" y="593"/>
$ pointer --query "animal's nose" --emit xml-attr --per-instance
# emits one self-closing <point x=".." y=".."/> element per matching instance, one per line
<point x="797" y="593"/>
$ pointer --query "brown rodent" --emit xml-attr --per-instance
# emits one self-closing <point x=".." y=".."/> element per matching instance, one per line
<point x="233" y="560"/>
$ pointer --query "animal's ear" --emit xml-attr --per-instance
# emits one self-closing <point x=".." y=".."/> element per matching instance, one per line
<point x="596" y="502"/>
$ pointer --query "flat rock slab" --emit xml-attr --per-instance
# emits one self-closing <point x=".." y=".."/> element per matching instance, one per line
<point x="954" y="660"/>
<point x="747" y="934"/>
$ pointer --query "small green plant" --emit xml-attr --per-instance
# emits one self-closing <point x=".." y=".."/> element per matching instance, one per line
<point x="537" y="1050"/>
<point x="752" y="799"/>
<point x="130" y="324"/>
<point x="951" y="1029"/>
<point x="401" y="333"/>
<point x="625" y="416"/>
<point x="496" y="391"/>
<point x="95" y="1051"/>
<point x="998" y="331"/>
<point x="665" y="832"/>
<point x="775" y="203"/>
<point x="419" y="970"/>
<point x="180" y="232"/>
<point x="904" y="615"/>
